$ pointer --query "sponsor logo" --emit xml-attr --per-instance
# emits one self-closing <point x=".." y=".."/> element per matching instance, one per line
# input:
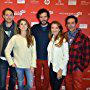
<point x="21" y="1"/>
<point x="33" y="23"/>
<point x="83" y="26"/>
<point x="77" y="14"/>
<point x="72" y="2"/>
<point x="59" y="3"/>
<point x="8" y="1"/>
<point x="33" y="12"/>
<point x="46" y="2"/>
<point x="51" y="12"/>
<point x="34" y="1"/>
<point x="85" y="2"/>
<point x="20" y="13"/>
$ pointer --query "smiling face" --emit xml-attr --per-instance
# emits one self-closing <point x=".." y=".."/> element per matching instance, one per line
<point x="55" y="29"/>
<point x="23" y="26"/>
<point x="8" y="16"/>
<point x="43" y="18"/>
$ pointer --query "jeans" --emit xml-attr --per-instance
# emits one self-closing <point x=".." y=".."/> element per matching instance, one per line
<point x="3" y="74"/>
<point x="29" y="77"/>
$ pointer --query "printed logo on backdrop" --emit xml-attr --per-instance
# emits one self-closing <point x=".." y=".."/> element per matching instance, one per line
<point x="46" y="2"/>
<point x="83" y="26"/>
<point x="33" y="23"/>
<point x="59" y="2"/>
<point x="51" y="12"/>
<point x="77" y="14"/>
<point x="20" y="13"/>
<point x="8" y="1"/>
<point x="34" y="1"/>
<point x="21" y="1"/>
<point x="33" y="12"/>
<point x="85" y="2"/>
<point x="72" y="2"/>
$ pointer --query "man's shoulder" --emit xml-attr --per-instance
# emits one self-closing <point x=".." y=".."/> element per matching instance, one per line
<point x="82" y="35"/>
<point x="35" y="26"/>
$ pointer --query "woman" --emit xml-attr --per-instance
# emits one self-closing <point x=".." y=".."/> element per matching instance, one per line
<point x="57" y="55"/>
<point x="24" y="49"/>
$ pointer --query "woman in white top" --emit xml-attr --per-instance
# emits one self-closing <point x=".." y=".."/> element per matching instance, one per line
<point x="24" y="48"/>
<point x="57" y="55"/>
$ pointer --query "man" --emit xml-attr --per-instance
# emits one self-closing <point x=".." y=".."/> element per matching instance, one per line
<point x="40" y="32"/>
<point x="7" y="30"/>
<point x="79" y="54"/>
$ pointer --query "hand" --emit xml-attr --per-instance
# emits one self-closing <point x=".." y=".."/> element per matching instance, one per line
<point x="32" y="70"/>
<point x="59" y="74"/>
<point x="14" y="65"/>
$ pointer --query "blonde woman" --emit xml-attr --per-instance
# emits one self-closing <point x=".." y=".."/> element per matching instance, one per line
<point x="57" y="55"/>
<point x="24" y="48"/>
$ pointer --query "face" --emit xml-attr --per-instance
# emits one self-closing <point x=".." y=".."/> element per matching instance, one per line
<point x="8" y="16"/>
<point x="43" y="18"/>
<point x="23" y="26"/>
<point x="71" y="25"/>
<point x="55" y="29"/>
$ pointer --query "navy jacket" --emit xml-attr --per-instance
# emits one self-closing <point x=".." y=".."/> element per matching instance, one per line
<point x="41" y="36"/>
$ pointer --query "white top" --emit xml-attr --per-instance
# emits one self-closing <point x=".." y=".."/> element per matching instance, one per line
<point x="58" y="56"/>
<point x="24" y="57"/>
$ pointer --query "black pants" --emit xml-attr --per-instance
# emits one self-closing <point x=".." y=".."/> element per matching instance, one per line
<point x="3" y="73"/>
<point x="55" y="83"/>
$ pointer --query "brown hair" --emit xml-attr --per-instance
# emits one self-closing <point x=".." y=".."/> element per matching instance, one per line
<point x="60" y="34"/>
<point x="29" y="38"/>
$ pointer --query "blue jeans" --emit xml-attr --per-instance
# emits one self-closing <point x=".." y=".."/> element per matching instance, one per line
<point x="3" y="74"/>
<point x="29" y="77"/>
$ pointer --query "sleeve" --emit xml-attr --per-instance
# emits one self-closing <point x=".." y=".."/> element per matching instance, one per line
<point x="33" y="30"/>
<point x="33" y="53"/>
<point x="65" y="51"/>
<point x="8" y="51"/>
<point x="49" y="53"/>
<point x="86" y="52"/>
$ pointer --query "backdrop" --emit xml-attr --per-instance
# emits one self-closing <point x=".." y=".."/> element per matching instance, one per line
<point x="58" y="9"/>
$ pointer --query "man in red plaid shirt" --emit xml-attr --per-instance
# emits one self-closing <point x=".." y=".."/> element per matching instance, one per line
<point x="79" y="54"/>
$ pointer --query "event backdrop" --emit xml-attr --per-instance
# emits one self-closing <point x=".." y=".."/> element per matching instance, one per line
<point x="58" y="9"/>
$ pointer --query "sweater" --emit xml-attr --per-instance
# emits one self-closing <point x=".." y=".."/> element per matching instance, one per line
<point x="24" y="57"/>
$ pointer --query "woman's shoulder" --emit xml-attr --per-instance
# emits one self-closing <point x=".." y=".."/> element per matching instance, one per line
<point x="15" y="36"/>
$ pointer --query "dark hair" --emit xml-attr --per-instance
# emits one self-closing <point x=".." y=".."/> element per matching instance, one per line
<point x="42" y="11"/>
<point x="71" y="16"/>
<point x="28" y="33"/>
<point x="7" y="9"/>
<point x="60" y="34"/>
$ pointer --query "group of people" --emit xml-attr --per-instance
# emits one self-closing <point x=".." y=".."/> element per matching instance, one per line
<point x="27" y="51"/>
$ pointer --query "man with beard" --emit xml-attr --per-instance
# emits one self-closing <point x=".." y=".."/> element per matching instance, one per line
<point x="79" y="54"/>
<point x="40" y="32"/>
<point x="7" y="30"/>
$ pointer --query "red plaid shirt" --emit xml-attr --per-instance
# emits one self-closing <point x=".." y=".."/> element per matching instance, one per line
<point x="79" y="52"/>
